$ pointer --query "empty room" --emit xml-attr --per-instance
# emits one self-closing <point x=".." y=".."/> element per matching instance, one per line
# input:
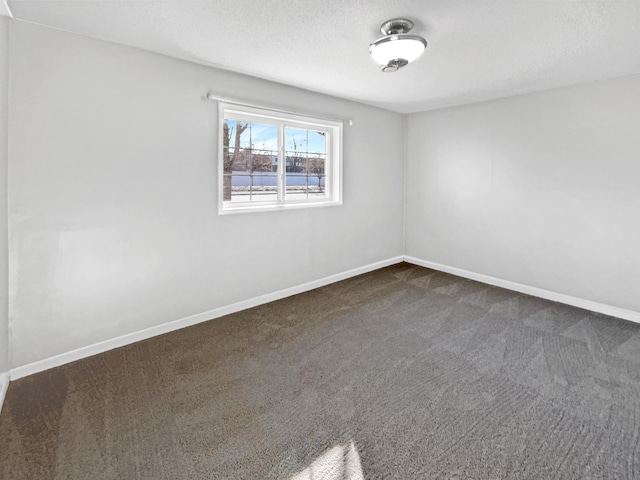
<point x="319" y="240"/>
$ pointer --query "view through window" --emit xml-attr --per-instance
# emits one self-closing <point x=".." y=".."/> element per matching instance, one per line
<point x="277" y="160"/>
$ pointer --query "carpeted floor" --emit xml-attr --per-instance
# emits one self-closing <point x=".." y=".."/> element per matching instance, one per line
<point x="401" y="373"/>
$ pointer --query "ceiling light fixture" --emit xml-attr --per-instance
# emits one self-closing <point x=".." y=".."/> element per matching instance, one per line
<point x="396" y="49"/>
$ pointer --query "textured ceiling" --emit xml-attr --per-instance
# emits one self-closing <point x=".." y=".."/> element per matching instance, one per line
<point x="478" y="49"/>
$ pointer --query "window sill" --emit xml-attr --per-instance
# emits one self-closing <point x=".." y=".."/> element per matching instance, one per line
<point x="231" y="210"/>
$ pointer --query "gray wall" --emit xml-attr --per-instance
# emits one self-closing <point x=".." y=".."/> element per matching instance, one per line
<point x="112" y="198"/>
<point x="4" y="92"/>
<point x="540" y="189"/>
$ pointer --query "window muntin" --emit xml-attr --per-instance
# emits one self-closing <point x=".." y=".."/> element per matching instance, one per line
<point x="272" y="160"/>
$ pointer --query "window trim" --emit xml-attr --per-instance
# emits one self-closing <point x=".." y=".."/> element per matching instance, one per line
<point x="333" y="165"/>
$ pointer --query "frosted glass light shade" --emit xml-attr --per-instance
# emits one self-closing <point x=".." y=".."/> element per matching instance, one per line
<point x="393" y="47"/>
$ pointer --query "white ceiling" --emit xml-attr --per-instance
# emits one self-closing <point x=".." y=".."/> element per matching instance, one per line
<point x="477" y="49"/>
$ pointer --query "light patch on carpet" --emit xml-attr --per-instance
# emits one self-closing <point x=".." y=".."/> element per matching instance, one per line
<point x="341" y="462"/>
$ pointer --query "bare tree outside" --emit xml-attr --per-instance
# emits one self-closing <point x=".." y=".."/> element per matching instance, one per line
<point x="230" y="158"/>
<point x="261" y="162"/>
<point x="315" y="166"/>
<point x="295" y="159"/>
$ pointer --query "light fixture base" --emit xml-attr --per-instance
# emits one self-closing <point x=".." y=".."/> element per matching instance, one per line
<point x="396" y="26"/>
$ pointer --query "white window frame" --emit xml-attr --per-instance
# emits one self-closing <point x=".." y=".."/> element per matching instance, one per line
<point x="333" y="162"/>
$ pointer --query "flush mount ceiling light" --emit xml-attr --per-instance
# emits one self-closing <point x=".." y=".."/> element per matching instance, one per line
<point x="396" y="49"/>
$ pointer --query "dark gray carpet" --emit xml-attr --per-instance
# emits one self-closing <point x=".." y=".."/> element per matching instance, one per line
<point x="401" y="373"/>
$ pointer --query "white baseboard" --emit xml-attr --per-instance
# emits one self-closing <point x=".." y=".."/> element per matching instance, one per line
<point x="100" y="347"/>
<point x="4" y="385"/>
<point x="534" y="291"/>
<point x="147" y="333"/>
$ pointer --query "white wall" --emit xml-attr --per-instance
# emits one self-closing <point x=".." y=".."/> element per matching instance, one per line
<point x="112" y="195"/>
<point x="540" y="189"/>
<point x="4" y="314"/>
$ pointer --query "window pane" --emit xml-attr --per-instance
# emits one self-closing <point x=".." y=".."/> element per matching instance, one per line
<point x="317" y="142"/>
<point x="250" y="152"/>
<point x="306" y="160"/>
<point x="264" y="187"/>
<point x="239" y="187"/>
<point x="296" y="186"/>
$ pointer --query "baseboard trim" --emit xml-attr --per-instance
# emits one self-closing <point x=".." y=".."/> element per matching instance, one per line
<point x="534" y="291"/>
<point x="4" y="385"/>
<point x="100" y="347"/>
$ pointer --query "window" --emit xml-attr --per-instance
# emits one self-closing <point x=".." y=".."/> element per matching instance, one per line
<point x="271" y="160"/>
